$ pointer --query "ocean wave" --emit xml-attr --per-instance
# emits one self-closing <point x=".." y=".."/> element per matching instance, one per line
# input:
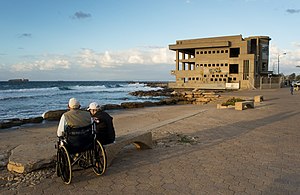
<point x="29" y="90"/>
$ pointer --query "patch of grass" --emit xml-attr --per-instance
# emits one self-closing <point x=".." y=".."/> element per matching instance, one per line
<point x="232" y="101"/>
<point x="185" y="139"/>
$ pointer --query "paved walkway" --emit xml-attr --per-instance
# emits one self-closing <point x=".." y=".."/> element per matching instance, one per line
<point x="255" y="151"/>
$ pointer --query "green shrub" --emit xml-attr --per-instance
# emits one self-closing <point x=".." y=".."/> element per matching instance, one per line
<point x="232" y="101"/>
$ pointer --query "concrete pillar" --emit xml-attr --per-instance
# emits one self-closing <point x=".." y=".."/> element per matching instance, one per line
<point x="177" y="60"/>
<point x="183" y="57"/>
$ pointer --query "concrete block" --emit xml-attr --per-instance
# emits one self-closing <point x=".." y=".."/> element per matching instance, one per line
<point x="244" y="105"/>
<point x="258" y="98"/>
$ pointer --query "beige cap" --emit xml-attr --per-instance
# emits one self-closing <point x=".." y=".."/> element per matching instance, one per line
<point x="94" y="106"/>
<point x="74" y="103"/>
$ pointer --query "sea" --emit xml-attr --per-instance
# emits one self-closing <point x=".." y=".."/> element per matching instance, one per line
<point x="31" y="99"/>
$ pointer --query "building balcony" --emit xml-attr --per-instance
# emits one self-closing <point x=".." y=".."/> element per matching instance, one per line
<point x="190" y="60"/>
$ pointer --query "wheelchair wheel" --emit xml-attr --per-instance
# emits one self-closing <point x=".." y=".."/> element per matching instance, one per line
<point x="99" y="165"/>
<point x="64" y="169"/>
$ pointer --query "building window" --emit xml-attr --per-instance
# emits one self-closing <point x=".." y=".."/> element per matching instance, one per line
<point x="205" y="52"/>
<point x="233" y="69"/>
<point x="201" y="52"/>
<point x="197" y="52"/>
<point x="246" y="70"/>
<point x="222" y="51"/>
<point x="213" y="51"/>
<point x="209" y="52"/>
<point x="226" y="51"/>
<point x="234" y="52"/>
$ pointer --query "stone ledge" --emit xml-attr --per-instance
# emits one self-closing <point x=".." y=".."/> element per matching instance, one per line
<point x="141" y="140"/>
<point x="30" y="157"/>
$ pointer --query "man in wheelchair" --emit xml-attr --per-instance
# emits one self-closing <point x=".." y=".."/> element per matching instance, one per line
<point x="77" y="143"/>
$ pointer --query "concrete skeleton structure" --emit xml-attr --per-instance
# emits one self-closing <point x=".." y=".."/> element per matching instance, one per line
<point x="228" y="62"/>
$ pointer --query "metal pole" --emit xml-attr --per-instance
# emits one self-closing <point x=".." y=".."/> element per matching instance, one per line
<point x="278" y="64"/>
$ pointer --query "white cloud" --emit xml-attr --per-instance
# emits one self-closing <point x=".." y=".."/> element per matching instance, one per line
<point x="48" y="64"/>
<point x="108" y="59"/>
<point x="287" y="62"/>
<point x="88" y="58"/>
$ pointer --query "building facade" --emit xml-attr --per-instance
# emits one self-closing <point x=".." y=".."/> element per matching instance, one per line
<point x="228" y="62"/>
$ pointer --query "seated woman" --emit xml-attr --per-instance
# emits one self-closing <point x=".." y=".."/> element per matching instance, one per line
<point x="104" y="124"/>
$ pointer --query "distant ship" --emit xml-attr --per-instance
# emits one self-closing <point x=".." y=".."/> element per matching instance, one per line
<point x="18" y="80"/>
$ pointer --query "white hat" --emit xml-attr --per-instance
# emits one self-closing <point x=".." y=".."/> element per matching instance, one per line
<point x="94" y="106"/>
<point x="74" y="103"/>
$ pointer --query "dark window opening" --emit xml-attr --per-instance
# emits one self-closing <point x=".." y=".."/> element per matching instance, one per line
<point x="233" y="69"/>
<point x="253" y="46"/>
<point x="264" y="66"/>
<point x="234" y="52"/>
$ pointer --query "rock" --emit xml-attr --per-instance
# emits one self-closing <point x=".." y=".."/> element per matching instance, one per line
<point x="152" y="93"/>
<point x="111" y="107"/>
<point x="189" y="96"/>
<point x="53" y="115"/>
<point x="11" y="123"/>
<point x="23" y="160"/>
<point x="132" y="105"/>
<point x="33" y="120"/>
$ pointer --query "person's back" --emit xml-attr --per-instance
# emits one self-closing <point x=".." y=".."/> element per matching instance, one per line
<point x="104" y="124"/>
<point x="77" y="118"/>
<point x="74" y="118"/>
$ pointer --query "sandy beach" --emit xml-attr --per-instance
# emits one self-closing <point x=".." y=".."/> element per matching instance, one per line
<point x="198" y="149"/>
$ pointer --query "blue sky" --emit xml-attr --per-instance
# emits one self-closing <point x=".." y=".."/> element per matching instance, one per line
<point x="128" y="39"/>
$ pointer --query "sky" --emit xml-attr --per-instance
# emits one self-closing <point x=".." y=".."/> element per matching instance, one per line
<point x="129" y="39"/>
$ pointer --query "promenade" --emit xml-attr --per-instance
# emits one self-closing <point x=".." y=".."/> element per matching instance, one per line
<point x="213" y="151"/>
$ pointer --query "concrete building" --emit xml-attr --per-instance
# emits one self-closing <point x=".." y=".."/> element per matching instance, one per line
<point x="228" y="62"/>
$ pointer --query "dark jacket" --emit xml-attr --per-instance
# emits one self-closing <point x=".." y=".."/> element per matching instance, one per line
<point x="104" y="127"/>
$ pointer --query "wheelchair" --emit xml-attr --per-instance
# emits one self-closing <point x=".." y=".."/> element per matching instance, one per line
<point x="79" y="147"/>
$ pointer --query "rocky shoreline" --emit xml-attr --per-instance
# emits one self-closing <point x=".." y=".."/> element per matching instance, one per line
<point x="169" y="97"/>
